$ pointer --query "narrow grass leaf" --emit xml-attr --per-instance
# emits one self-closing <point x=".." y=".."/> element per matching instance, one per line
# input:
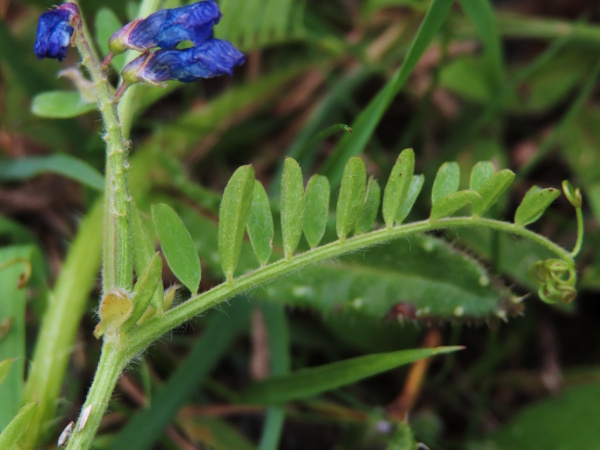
<point x="17" y="427"/>
<point x="534" y="204"/>
<point x="352" y="194"/>
<point x="60" y="105"/>
<point x="397" y="185"/>
<point x="260" y="224"/>
<point x="480" y="173"/>
<point x="144" y="289"/>
<point x="4" y="368"/>
<point x="365" y="124"/>
<point x="446" y="181"/>
<point x="491" y="190"/>
<point x="416" y="184"/>
<point x="177" y="246"/>
<point x="449" y="204"/>
<point x="292" y="206"/>
<point x="370" y="207"/>
<point x="317" y="209"/>
<point x="313" y="381"/>
<point x="233" y="216"/>
<point x="482" y="15"/>
<point x="62" y="164"/>
<point x="279" y="351"/>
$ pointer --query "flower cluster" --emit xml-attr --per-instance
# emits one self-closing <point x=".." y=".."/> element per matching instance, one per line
<point x="55" y="30"/>
<point x="167" y="28"/>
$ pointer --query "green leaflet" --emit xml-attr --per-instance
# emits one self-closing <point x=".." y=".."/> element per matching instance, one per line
<point x="416" y="184"/>
<point x="398" y="185"/>
<point x="317" y="209"/>
<point x="449" y="204"/>
<point x="491" y="190"/>
<point x="15" y="429"/>
<point x="446" y="181"/>
<point x="292" y="206"/>
<point x="313" y="381"/>
<point x="534" y="204"/>
<point x="260" y="224"/>
<point x="60" y="105"/>
<point x="480" y="173"/>
<point x="177" y="246"/>
<point x="233" y="216"/>
<point x="143" y="251"/>
<point x="352" y="194"/>
<point x="144" y="289"/>
<point x="370" y="207"/>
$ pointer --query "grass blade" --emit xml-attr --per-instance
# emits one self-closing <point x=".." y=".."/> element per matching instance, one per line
<point x="364" y="125"/>
<point x="309" y="382"/>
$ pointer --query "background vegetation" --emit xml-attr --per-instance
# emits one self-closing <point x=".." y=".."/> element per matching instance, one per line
<point x="514" y="82"/>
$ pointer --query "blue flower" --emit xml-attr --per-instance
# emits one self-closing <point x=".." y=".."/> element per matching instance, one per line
<point x="55" y="31"/>
<point x="210" y="59"/>
<point x="167" y="28"/>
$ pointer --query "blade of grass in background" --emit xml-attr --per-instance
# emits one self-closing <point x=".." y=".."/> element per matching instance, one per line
<point x="316" y="380"/>
<point x="62" y="164"/>
<point x="481" y="14"/>
<point x="365" y="124"/>
<point x="146" y="427"/>
<point x="279" y="352"/>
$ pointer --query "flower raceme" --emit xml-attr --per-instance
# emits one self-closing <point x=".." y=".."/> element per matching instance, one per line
<point x="164" y="29"/>
<point x="167" y="28"/>
<point x="213" y="58"/>
<point x="55" y="30"/>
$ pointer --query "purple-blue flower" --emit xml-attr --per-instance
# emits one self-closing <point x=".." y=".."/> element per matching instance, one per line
<point x="167" y="28"/>
<point x="210" y="59"/>
<point x="55" y="29"/>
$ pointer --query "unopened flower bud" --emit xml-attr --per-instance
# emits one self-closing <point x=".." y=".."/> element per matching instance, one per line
<point x="213" y="58"/>
<point x="55" y="29"/>
<point x="167" y="28"/>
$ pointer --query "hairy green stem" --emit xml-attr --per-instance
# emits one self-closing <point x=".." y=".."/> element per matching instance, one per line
<point x="117" y="256"/>
<point x="111" y="364"/>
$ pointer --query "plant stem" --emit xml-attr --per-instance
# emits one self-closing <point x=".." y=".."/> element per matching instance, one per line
<point x="111" y="364"/>
<point x="117" y="257"/>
